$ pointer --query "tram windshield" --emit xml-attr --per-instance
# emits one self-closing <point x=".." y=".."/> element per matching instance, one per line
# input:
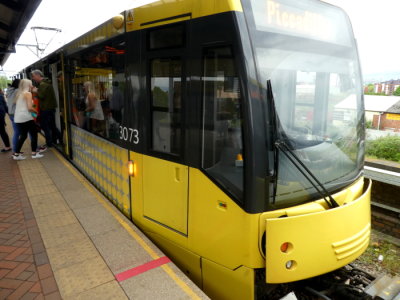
<point x="307" y="51"/>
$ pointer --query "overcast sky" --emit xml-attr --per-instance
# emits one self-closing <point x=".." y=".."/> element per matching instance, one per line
<point x="73" y="17"/>
<point x="373" y="24"/>
<point x="375" y="28"/>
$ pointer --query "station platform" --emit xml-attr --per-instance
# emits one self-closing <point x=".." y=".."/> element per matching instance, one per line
<point x="62" y="239"/>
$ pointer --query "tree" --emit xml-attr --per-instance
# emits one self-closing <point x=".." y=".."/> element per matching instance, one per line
<point x="3" y="82"/>
<point x="397" y="92"/>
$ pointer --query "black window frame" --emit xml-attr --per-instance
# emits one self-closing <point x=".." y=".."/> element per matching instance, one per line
<point x="177" y="46"/>
<point x="239" y="197"/>
<point x="163" y="154"/>
<point x="70" y="73"/>
<point x="165" y="53"/>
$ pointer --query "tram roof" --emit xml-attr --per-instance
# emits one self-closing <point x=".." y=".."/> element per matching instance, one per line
<point x="14" y="17"/>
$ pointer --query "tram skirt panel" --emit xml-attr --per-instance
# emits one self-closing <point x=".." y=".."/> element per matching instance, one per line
<point x="104" y="164"/>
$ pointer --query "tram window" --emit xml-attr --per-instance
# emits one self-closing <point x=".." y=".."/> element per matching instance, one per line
<point x="304" y="105"/>
<point x="169" y="37"/>
<point x="98" y="84"/>
<point x="166" y="79"/>
<point x="222" y="120"/>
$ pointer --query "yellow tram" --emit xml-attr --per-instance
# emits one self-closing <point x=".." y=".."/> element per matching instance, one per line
<point x="230" y="131"/>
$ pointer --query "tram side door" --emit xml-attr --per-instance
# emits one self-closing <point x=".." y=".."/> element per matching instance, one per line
<point x="165" y="178"/>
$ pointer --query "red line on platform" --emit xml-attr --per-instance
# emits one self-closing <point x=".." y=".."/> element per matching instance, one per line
<point x="143" y="268"/>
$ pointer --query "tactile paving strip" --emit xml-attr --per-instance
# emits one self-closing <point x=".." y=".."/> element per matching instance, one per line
<point x="78" y="267"/>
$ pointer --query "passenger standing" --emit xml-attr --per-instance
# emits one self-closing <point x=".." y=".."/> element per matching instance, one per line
<point x="3" y="132"/>
<point x="93" y="110"/>
<point x="24" y="119"/>
<point x="48" y="105"/>
<point x="60" y="83"/>
<point x="11" y="100"/>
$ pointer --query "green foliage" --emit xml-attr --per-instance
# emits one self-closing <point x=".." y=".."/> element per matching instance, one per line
<point x="3" y="82"/>
<point x="385" y="147"/>
<point x="160" y="98"/>
<point x="370" y="90"/>
<point x="368" y="124"/>
<point x="376" y="94"/>
<point x="397" y="92"/>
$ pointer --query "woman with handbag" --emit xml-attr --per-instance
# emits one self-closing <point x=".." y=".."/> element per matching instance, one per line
<point x="24" y="119"/>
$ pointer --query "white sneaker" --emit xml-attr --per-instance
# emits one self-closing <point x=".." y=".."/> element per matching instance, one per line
<point x="37" y="155"/>
<point x="18" y="157"/>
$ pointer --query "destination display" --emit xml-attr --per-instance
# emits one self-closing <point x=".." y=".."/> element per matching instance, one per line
<point x="304" y="19"/>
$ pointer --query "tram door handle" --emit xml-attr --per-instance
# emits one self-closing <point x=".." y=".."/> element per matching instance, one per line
<point x="177" y="174"/>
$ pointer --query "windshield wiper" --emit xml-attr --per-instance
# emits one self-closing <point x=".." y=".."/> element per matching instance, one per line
<point x="279" y="137"/>
<point x="281" y="145"/>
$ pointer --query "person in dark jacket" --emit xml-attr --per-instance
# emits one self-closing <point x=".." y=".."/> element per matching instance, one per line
<point x="11" y="102"/>
<point x="48" y="105"/>
<point x="3" y="132"/>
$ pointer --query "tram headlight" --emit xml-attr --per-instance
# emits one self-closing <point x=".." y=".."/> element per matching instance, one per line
<point x="291" y="265"/>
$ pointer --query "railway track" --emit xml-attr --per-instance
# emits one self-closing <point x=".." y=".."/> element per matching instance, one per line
<point x="347" y="283"/>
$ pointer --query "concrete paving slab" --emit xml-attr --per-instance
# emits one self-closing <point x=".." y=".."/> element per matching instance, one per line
<point x="34" y="190"/>
<point x="59" y="174"/>
<point x="82" y="277"/>
<point x="107" y="291"/>
<point x="66" y="183"/>
<point x="163" y="287"/>
<point x="48" y="204"/>
<point x="120" y="251"/>
<point x="31" y="170"/>
<point x="66" y="255"/>
<point x="38" y="181"/>
<point x="56" y="236"/>
<point x="32" y="165"/>
<point x="79" y="197"/>
<point x="96" y="220"/>
<point x="57" y="219"/>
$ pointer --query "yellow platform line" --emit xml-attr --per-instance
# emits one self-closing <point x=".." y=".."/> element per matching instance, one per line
<point x="129" y="229"/>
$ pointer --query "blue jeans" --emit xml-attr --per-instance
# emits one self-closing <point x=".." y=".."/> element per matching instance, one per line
<point x="15" y="135"/>
<point x="24" y="128"/>
<point x="48" y="124"/>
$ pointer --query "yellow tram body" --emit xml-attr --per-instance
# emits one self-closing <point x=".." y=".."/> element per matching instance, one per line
<point x="216" y="243"/>
<point x="228" y="247"/>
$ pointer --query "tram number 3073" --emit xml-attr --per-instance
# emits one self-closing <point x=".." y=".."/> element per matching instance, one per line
<point x="129" y="134"/>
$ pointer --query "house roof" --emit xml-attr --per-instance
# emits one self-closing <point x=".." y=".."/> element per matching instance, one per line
<point x="394" y="109"/>
<point x="14" y="16"/>
<point x="390" y="104"/>
<point x="382" y="103"/>
<point x="397" y="81"/>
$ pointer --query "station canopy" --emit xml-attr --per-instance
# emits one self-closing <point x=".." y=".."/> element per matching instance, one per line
<point x="14" y="17"/>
